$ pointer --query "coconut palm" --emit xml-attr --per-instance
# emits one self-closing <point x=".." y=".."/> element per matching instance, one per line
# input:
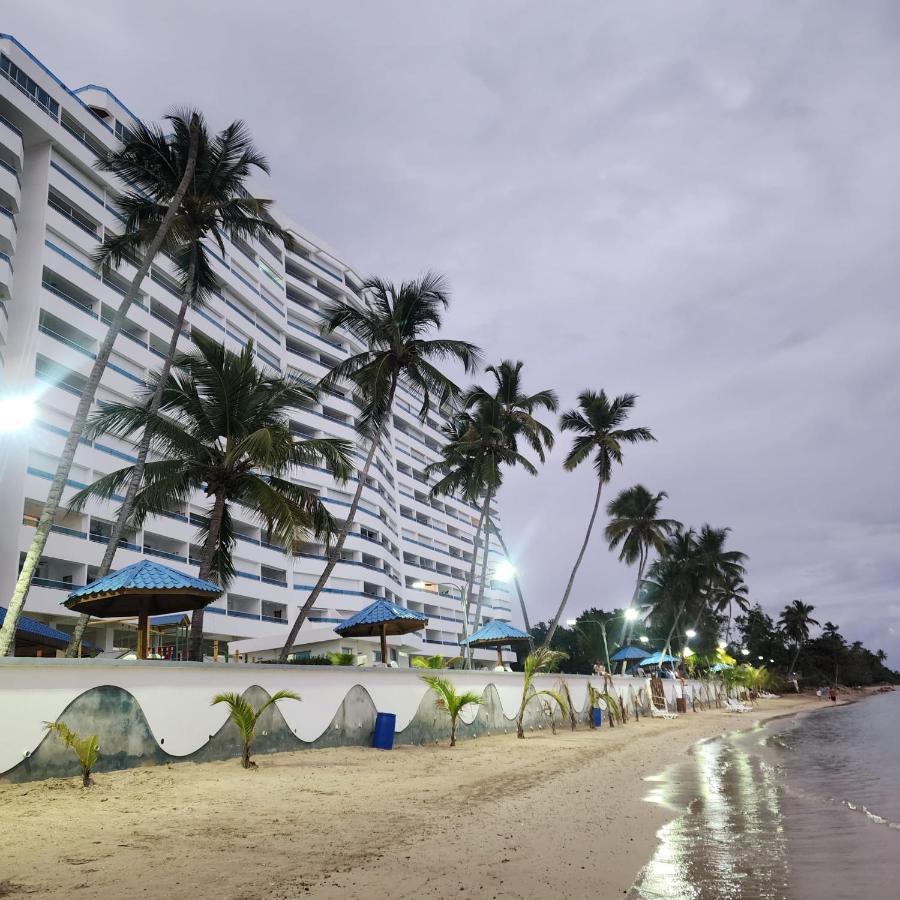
<point x="393" y="326"/>
<point x="245" y="717"/>
<point x="637" y="529"/>
<point x="216" y="205"/>
<point x="223" y="430"/>
<point x="542" y="660"/>
<point x="86" y="749"/>
<point x="795" y="620"/>
<point x="730" y="592"/>
<point x="448" y="698"/>
<point x="599" y="434"/>
<point x="161" y="166"/>
<point x="428" y="662"/>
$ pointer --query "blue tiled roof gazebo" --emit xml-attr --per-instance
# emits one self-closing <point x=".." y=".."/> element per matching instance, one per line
<point x="35" y="636"/>
<point x="142" y="589"/>
<point x="382" y="618"/>
<point x="497" y="634"/>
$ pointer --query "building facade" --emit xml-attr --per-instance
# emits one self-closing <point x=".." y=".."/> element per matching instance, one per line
<point x="55" y="208"/>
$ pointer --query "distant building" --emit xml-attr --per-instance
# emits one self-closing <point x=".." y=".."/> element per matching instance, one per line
<point x="54" y="210"/>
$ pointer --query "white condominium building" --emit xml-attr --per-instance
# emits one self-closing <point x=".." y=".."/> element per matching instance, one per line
<point x="55" y="208"/>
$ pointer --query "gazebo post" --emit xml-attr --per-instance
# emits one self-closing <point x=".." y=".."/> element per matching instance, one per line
<point x="143" y="636"/>
<point x="499" y="655"/>
<point x="384" y="651"/>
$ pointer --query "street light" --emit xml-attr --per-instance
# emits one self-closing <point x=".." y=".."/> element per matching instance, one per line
<point x="745" y="651"/>
<point x="505" y="571"/>
<point x="644" y="639"/>
<point x="17" y="412"/>
<point x="690" y="633"/>
<point x="722" y="645"/>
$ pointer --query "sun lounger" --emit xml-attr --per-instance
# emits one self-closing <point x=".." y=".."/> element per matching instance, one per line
<point x="735" y="706"/>
<point x="661" y="713"/>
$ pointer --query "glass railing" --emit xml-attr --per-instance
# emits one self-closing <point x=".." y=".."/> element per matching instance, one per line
<point x="164" y="554"/>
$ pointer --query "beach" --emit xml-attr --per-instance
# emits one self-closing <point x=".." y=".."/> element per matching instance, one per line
<point x="494" y="817"/>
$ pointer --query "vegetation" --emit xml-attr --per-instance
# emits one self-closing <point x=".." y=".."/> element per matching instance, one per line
<point x="429" y="662"/>
<point x="87" y="749"/>
<point x="153" y="165"/>
<point x="245" y="717"/>
<point x="394" y="327"/>
<point x="449" y="699"/>
<point x="223" y="430"/>
<point x="597" y="424"/>
<point x="341" y="659"/>
<point x="541" y="660"/>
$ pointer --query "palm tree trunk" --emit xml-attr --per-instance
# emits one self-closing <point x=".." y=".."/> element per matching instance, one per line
<point x="335" y="553"/>
<point x="516" y="581"/>
<point x="565" y="598"/>
<point x="453" y="731"/>
<point x="195" y="642"/>
<point x="668" y="645"/>
<point x="486" y="515"/>
<point x="642" y="562"/>
<point x="57" y="486"/>
<point x="137" y="472"/>
<point x="793" y="668"/>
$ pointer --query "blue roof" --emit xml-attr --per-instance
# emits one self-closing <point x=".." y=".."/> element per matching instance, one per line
<point x="629" y="653"/>
<point x="657" y="658"/>
<point x="35" y="629"/>
<point x="496" y="631"/>
<point x="170" y="619"/>
<point x="145" y="576"/>
<point x="379" y="612"/>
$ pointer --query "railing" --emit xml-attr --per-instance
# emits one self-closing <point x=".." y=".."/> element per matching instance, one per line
<point x="275" y="581"/>
<point x="71" y="532"/>
<point x="276" y="619"/>
<point x="164" y="554"/>
<point x="77" y="183"/>
<point x="10" y="126"/>
<point x="58" y="585"/>
<point x="64" y="340"/>
<point x="69" y="299"/>
<point x="104" y="539"/>
<point x="72" y="259"/>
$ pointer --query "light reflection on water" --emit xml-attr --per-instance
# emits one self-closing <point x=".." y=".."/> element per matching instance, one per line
<point x="730" y="843"/>
<point x="808" y="807"/>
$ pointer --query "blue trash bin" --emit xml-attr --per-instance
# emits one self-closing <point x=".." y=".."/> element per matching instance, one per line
<point x="385" y="724"/>
<point x="598" y="716"/>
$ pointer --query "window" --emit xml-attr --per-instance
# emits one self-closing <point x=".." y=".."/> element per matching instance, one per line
<point x="123" y="133"/>
<point x="27" y="86"/>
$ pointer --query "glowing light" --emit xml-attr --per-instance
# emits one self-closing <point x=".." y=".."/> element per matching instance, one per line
<point x="687" y="652"/>
<point x="691" y="633"/>
<point x="722" y="645"/>
<point x="17" y="412"/>
<point x="745" y="651"/>
<point x="422" y="585"/>
<point x="644" y="639"/>
<point x="631" y="614"/>
<point x="505" y="571"/>
<point x="571" y="623"/>
<point x="759" y="657"/>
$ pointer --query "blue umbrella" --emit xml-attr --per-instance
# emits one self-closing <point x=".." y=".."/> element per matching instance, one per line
<point x="628" y="653"/>
<point x="382" y="618"/>
<point x="658" y="658"/>
<point x="496" y="634"/>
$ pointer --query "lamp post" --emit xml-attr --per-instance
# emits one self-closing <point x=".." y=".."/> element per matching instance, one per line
<point x="629" y="616"/>
<point x="423" y="585"/>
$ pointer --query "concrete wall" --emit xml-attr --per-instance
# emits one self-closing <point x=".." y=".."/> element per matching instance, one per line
<point x="147" y="713"/>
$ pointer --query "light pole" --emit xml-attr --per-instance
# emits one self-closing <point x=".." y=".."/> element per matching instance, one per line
<point x="423" y="585"/>
<point x="629" y="616"/>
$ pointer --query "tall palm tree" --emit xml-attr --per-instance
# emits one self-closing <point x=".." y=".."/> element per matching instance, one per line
<point x="730" y="592"/>
<point x="510" y="412"/>
<point x="216" y="204"/>
<point x="223" y="429"/>
<point x="637" y="529"/>
<point x="795" y="620"/>
<point x="161" y="167"/>
<point x="597" y="424"/>
<point x="393" y="326"/>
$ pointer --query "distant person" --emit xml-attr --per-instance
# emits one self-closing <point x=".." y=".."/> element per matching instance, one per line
<point x="599" y="669"/>
<point x="832" y="695"/>
<point x="794" y="683"/>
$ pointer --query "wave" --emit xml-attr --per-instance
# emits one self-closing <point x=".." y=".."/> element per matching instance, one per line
<point x="871" y="816"/>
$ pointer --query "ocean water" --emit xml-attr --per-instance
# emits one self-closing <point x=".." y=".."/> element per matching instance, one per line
<point x="803" y="807"/>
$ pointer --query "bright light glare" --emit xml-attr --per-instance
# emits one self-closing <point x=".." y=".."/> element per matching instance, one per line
<point x="631" y="614"/>
<point x="17" y="412"/>
<point x="570" y="623"/>
<point x="505" y="571"/>
<point x="722" y="645"/>
<point x="687" y="652"/>
<point x="645" y="639"/>
<point x="691" y="633"/>
<point x="420" y="585"/>
<point x="759" y="657"/>
<point x="745" y="651"/>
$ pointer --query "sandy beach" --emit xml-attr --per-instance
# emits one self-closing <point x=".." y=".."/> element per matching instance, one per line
<point x="494" y="817"/>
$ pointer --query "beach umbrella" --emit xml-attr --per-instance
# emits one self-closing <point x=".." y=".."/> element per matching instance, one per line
<point x="657" y="659"/>
<point x="380" y="619"/>
<point x="720" y="667"/>
<point x="628" y="653"/>
<point x="143" y="589"/>
<point x="497" y="634"/>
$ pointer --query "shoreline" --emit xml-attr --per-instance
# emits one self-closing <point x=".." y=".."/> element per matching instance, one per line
<point x="497" y="816"/>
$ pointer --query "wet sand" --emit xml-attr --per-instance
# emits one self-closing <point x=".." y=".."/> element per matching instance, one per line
<point x="494" y="817"/>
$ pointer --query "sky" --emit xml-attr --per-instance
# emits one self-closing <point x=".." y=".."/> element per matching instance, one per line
<point x="698" y="203"/>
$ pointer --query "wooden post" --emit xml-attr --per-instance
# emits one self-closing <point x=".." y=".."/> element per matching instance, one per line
<point x="384" y="652"/>
<point x="499" y="656"/>
<point x="143" y="636"/>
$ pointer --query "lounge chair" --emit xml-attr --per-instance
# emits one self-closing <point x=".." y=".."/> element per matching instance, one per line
<point x="735" y="706"/>
<point x="656" y="713"/>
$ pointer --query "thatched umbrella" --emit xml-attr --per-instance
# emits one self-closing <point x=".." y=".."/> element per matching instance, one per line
<point x="380" y="619"/>
<point x="497" y="634"/>
<point x="143" y="589"/>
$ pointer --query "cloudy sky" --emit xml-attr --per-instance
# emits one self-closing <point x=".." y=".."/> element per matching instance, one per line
<point x="696" y="202"/>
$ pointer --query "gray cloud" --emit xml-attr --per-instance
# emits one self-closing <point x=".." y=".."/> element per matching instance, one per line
<point x="695" y="202"/>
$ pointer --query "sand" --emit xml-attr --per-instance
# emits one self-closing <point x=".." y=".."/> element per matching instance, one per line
<point x="494" y="817"/>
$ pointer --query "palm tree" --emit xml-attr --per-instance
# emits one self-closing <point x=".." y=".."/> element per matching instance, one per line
<point x="393" y="326"/>
<point x="428" y="662"/>
<point x="597" y="423"/>
<point x="730" y="592"/>
<point x="223" y="429"/>
<point x="162" y="168"/>
<point x="86" y="749"/>
<point x="795" y="620"/>
<point x="217" y="204"/>
<point x="636" y="527"/>
<point x="542" y="660"/>
<point x="448" y="698"/>
<point x="245" y="717"/>
<point x="506" y="414"/>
